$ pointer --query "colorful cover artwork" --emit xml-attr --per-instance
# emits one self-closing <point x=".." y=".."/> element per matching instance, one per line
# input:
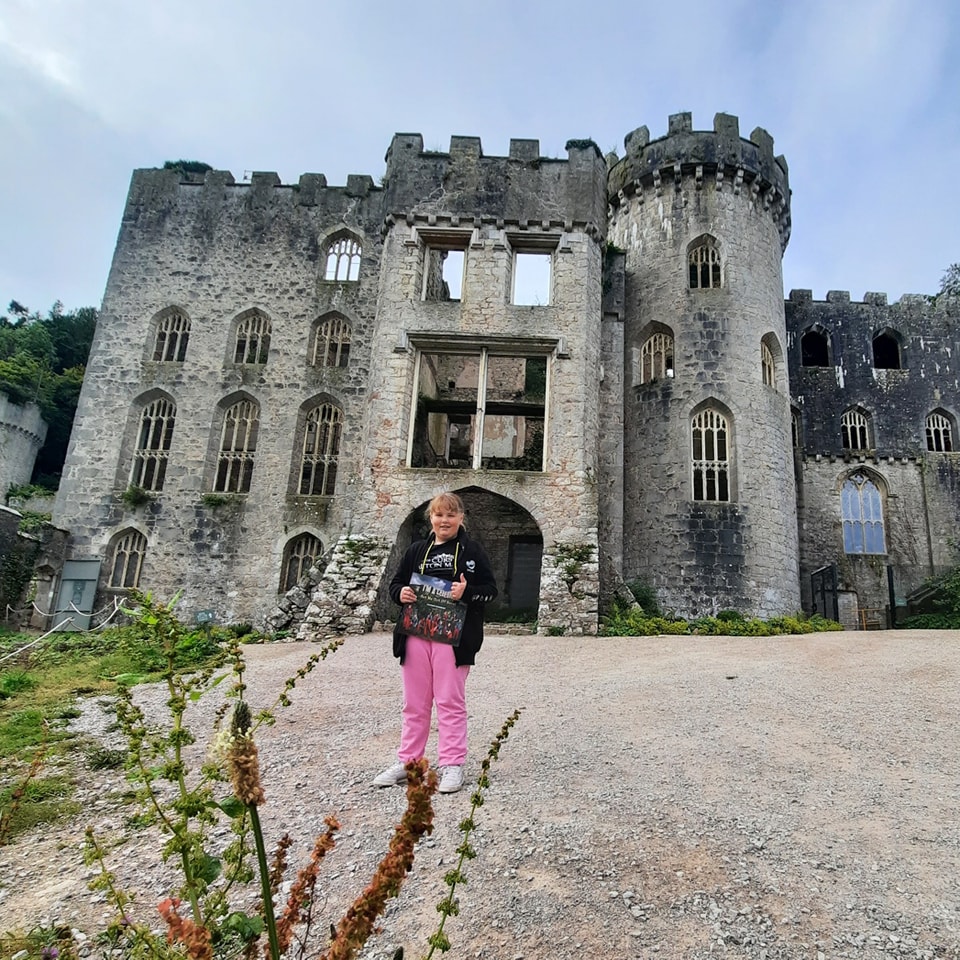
<point x="434" y="615"/>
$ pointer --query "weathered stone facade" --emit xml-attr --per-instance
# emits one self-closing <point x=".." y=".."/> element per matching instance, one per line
<point x="22" y="432"/>
<point x="283" y="375"/>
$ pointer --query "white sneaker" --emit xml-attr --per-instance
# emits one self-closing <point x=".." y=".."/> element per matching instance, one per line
<point x="451" y="779"/>
<point x="392" y="776"/>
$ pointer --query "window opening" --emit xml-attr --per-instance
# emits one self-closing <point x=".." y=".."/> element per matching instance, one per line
<point x="861" y="509"/>
<point x="238" y="444"/>
<point x="443" y="273"/>
<point x="531" y="278"/>
<point x="939" y="433"/>
<point x="710" y="457"/>
<point x="253" y="339"/>
<point x="153" y="444"/>
<point x="768" y="366"/>
<point x="814" y="349"/>
<point x="128" y="553"/>
<point x="886" y="352"/>
<point x="704" y="265"/>
<point x="656" y="358"/>
<point x="480" y="410"/>
<point x="343" y="260"/>
<point x="321" y="450"/>
<point x="331" y="343"/>
<point x="854" y="427"/>
<point x="795" y="429"/>
<point x="299" y="556"/>
<point x="173" y="333"/>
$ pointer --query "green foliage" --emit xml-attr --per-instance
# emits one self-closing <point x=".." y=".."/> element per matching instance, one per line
<point x="187" y="166"/>
<point x="32" y="521"/>
<point x="727" y="623"/>
<point x="135" y="496"/>
<point x="42" y="361"/>
<point x="646" y="596"/>
<point x="950" y="282"/>
<point x="945" y="602"/>
<point x="27" y="491"/>
<point x="570" y="558"/>
<point x="15" y="681"/>
<point x="215" y="500"/>
<point x="556" y="631"/>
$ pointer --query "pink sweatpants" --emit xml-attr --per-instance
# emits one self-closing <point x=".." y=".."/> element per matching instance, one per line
<point x="430" y="673"/>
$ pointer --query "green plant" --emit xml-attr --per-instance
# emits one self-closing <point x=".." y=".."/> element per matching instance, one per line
<point x="15" y="681"/>
<point x="27" y="491"/>
<point x="570" y="558"/>
<point x="645" y="595"/>
<point x="135" y="496"/>
<point x="556" y="631"/>
<point x="216" y="499"/>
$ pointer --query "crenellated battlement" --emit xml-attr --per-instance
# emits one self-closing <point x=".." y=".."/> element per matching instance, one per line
<point x="870" y="298"/>
<point x="690" y="157"/>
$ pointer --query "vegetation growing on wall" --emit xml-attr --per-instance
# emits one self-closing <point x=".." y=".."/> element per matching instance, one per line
<point x="944" y="604"/>
<point x="42" y="361"/>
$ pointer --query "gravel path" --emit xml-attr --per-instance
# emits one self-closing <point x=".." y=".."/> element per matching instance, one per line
<point x="668" y="797"/>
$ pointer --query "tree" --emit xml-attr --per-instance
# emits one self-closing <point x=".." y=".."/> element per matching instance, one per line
<point x="950" y="283"/>
<point x="42" y="361"/>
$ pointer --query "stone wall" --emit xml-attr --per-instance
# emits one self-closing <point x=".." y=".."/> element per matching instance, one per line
<point x="22" y="432"/>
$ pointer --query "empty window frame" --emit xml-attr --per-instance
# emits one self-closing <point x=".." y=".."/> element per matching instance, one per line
<point x="331" y="342"/>
<point x="480" y="409"/>
<point x="320" y="457"/>
<point x="815" y="348"/>
<point x="939" y="432"/>
<point x="855" y="430"/>
<point x="299" y="555"/>
<point x="768" y="366"/>
<point x="173" y="334"/>
<point x="703" y="263"/>
<point x="127" y="560"/>
<point x="343" y="259"/>
<point x="253" y="339"/>
<point x="710" y="456"/>
<point x="656" y="358"/>
<point x="886" y="351"/>
<point x="861" y="509"/>
<point x="153" y="444"/>
<point x="444" y="264"/>
<point x="238" y="445"/>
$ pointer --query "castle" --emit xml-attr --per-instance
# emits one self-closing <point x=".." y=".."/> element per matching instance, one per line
<point x="594" y="351"/>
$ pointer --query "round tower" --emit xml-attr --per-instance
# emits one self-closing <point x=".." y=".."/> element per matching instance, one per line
<point x="709" y="514"/>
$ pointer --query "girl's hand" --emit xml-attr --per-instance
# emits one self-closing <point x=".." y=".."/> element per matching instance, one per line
<point x="458" y="586"/>
<point x="407" y="595"/>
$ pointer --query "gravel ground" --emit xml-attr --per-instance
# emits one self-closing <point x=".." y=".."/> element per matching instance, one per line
<point x="661" y="797"/>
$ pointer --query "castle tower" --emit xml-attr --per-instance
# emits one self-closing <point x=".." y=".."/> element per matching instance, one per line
<point x="709" y="515"/>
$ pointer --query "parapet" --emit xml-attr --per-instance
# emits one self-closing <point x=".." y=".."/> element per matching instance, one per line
<point x="736" y="163"/>
<point x="520" y="187"/>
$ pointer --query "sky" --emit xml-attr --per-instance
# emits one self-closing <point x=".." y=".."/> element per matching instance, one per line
<point x="862" y="97"/>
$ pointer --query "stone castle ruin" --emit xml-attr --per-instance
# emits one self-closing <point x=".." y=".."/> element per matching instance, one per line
<point x="594" y="351"/>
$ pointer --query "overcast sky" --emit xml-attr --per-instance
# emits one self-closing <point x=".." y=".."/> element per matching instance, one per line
<point x="861" y="96"/>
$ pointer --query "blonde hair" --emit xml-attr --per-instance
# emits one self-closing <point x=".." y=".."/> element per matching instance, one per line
<point x="448" y="501"/>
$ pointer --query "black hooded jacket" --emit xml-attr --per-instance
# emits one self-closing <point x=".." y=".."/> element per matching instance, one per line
<point x="472" y="562"/>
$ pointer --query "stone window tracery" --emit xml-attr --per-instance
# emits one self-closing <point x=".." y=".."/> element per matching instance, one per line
<point x="343" y="260"/>
<point x="299" y="556"/>
<point x="173" y="334"/>
<point x="861" y="508"/>
<point x="768" y="366"/>
<point x="656" y="358"/>
<point x="153" y="444"/>
<point x="704" y="265"/>
<point x="331" y="343"/>
<point x="855" y="430"/>
<point x="939" y="431"/>
<point x="127" y="560"/>
<point x="323" y="428"/>
<point x="480" y="408"/>
<point x="238" y="444"/>
<point x="711" y="457"/>
<point x="253" y="339"/>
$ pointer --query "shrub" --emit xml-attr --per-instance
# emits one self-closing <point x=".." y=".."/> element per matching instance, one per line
<point x="646" y="596"/>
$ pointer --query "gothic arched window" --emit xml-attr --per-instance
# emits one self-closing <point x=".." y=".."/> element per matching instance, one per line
<point x="127" y="559"/>
<point x="238" y="444"/>
<point x="153" y="444"/>
<point x="814" y="349"/>
<point x="861" y="510"/>
<point x="656" y="358"/>
<point x="855" y="429"/>
<point x="253" y="338"/>
<point x="939" y="432"/>
<point x="711" y="456"/>
<point x="321" y="450"/>
<point x="299" y="556"/>
<point x="173" y="334"/>
<point x="331" y="343"/>
<point x="343" y="259"/>
<point x="704" y="264"/>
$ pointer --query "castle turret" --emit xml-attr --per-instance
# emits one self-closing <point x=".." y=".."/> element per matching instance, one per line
<point x="709" y="505"/>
